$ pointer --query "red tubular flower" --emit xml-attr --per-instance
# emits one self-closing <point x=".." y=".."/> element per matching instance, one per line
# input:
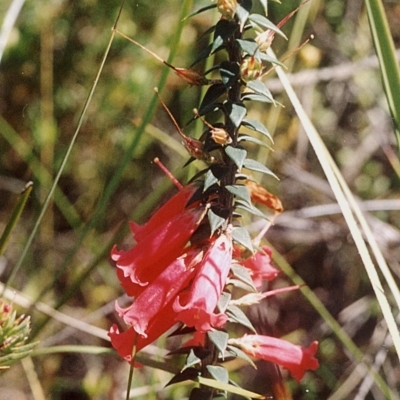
<point x="174" y="206"/>
<point x="290" y="356"/>
<point x="123" y="342"/>
<point x="156" y="250"/>
<point x="195" y="307"/>
<point x="260" y="266"/>
<point x="155" y="302"/>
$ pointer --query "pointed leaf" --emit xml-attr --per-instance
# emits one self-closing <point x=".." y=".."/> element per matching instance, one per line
<point x="237" y="283"/>
<point x="228" y="388"/>
<point x="235" y="111"/>
<point x="223" y="302"/>
<point x="213" y="93"/>
<point x="215" y="221"/>
<point x="240" y="354"/>
<point x="229" y="72"/>
<point x="220" y="374"/>
<point x="191" y="360"/>
<point x="219" y="338"/>
<point x="235" y="314"/>
<point x="223" y="30"/>
<point x="200" y="10"/>
<point x="243" y="12"/>
<point x="246" y="138"/>
<point x="264" y="4"/>
<point x="257" y="126"/>
<point x="249" y="46"/>
<point x="241" y="236"/>
<point x="250" y="208"/>
<point x="265" y="23"/>
<point x="209" y="180"/>
<point x="243" y="274"/>
<point x="265" y="57"/>
<point x="237" y="155"/>
<point x="240" y="191"/>
<point x="256" y="166"/>
<point x="203" y="54"/>
<point x="259" y="87"/>
<point x="256" y="97"/>
<point x="185" y="375"/>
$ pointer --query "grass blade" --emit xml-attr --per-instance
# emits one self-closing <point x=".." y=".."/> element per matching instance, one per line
<point x="349" y="208"/>
<point x="15" y="216"/>
<point x="385" y="51"/>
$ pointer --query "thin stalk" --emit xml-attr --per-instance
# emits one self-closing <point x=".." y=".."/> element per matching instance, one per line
<point x="69" y="150"/>
<point x="99" y="212"/>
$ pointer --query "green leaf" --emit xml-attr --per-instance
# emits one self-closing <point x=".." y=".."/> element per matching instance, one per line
<point x="228" y="388"/>
<point x="230" y="73"/>
<point x="185" y="375"/>
<point x="237" y="155"/>
<point x="241" y="236"/>
<point x="256" y="166"/>
<point x="256" y="97"/>
<point x="199" y="11"/>
<point x="235" y="111"/>
<point x="240" y="191"/>
<point x="389" y="66"/>
<point x="243" y="274"/>
<point x="265" y="23"/>
<point x="265" y="57"/>
<point x="259" y="87"/>
<point x="223" y="301"/>
<point x="223" y="30"/>
<point x="243" y="11"/>
<point x="257" y="126"/>
<point x="219" y="338"/>
<point x="215" y="221"/>
<point x="248" y="46"/>
<point x="209" y="180"/>
<point x="219" y="373"/>
<point x="264" y="3"/>
<point x="213" y="93"/>
<point x="250" y="208"/>
<point x="203" y="54"/>
<point x="191" y="360"/>
<point x="240" y="354"/>
<point x="235" y="314"/>
<point x="246" y="138"/>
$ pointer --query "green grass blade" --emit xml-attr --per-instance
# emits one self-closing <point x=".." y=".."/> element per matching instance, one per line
<point x="15" y="216"/>
<point x="385" y="51"/>
<point x="24" y="150"/>
<point x="349" y="208"/>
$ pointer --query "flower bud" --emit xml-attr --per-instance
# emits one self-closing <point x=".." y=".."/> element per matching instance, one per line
<point x="191" y="77"/>
<point x="227" y="8"/>
<point x="264" y="39"/>
<point x="251" y="69"/>
<point x="220" y="136"/>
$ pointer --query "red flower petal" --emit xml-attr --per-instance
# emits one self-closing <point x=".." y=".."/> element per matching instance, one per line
<point x="148" y="258"/>
<point x="156" y="300"/>
<point x="260" y="266"/>
<point x="123" y="342"/>
<point x="195" y="307"/>
<point x="290" y="356"/>
<point x="174" y="206"/>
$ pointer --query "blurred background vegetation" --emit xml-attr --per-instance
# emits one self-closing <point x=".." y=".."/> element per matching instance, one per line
<point x="47" y="70"/>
